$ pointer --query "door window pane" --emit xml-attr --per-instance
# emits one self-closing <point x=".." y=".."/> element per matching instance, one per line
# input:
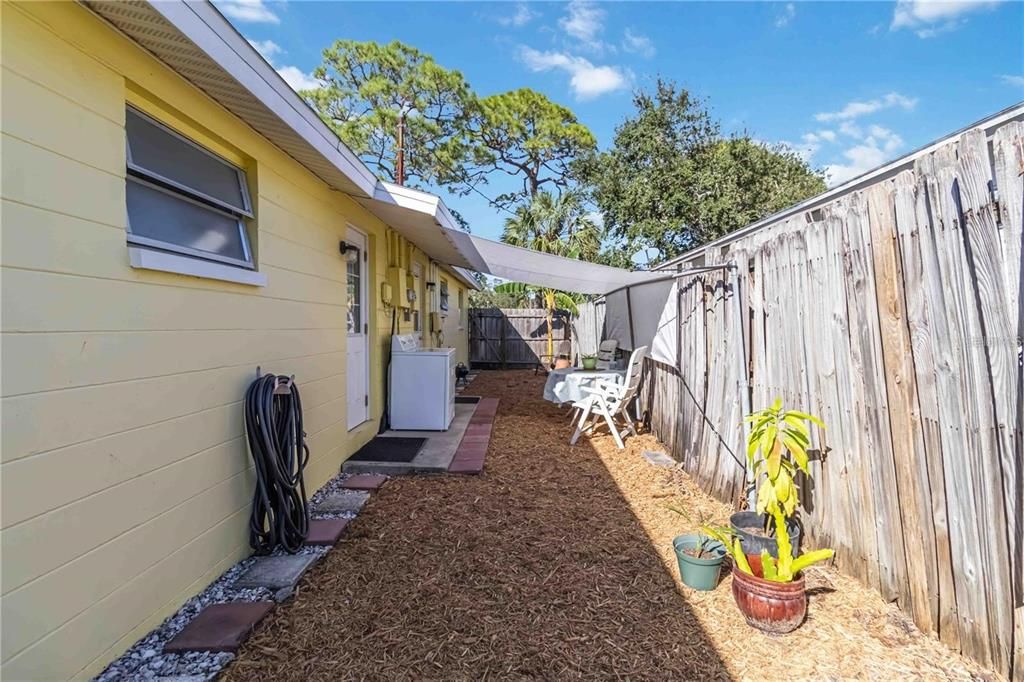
<point x="354" y="285"/>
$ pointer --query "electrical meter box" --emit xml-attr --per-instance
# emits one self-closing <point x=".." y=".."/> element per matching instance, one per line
<point x="398" y="281"/>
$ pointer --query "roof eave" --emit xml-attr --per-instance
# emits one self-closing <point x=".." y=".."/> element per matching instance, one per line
<point x="228" y="64"/>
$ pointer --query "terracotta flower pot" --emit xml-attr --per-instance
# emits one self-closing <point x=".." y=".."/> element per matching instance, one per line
<point x="771" y="607"/>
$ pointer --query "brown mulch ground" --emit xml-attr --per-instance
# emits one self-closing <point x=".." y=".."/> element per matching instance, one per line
<point x="557" y="563"/>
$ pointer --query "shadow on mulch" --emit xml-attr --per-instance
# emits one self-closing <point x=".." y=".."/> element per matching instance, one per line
<point x="538" y="568"/>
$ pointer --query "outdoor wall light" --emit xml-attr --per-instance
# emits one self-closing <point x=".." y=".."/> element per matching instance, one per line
<point x="349" y="251"/>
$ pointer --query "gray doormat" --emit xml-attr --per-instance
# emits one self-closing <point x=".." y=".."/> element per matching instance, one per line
<point x="467" y="398"/>
<point x="395" y="449"/>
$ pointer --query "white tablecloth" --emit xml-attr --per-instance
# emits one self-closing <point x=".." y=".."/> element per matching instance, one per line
<point x="563" y="385"/>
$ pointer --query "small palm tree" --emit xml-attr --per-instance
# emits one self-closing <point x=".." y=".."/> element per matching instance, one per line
<point x="557" y="225"/>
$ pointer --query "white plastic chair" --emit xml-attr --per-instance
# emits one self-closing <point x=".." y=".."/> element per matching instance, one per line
<point x="606" y="353"/>
<point x="610" y="400"/>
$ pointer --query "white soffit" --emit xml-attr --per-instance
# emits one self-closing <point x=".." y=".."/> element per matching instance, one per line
<point x="466" y="276"/>
<point x="199" y="44"/>
<point x="419" y="217"/>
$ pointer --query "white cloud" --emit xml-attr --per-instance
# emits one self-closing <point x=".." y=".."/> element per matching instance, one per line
<point x="638" y="44"/>
<point x="851" y="129"/>
<point x="929" y="18"/>
<point x="587" y="80"/>
<point x="857" y="109"/>
<point x="788" y="12"/>
<point x="293" y="75"/>
<point x="809" y="144"/>
<point x="297" y="78"/>
<point x="877" y="148"/>
<point x="585" y="23"/>
<point x="268" y="48"/>
<point x="248" y="11"/>
<point x="522" y="16"/>
<point x="1015" y="81"/>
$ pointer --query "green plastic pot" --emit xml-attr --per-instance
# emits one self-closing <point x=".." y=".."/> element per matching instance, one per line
<point x="700" y="574"/>
<point x="589" y="363"/>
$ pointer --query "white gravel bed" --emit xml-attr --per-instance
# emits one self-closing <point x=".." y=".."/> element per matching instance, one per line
<point x="331" y="486"/>
<point x="146" y="660"/>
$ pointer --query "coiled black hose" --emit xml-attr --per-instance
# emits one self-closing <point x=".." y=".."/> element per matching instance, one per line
<point x="273" y="425"/>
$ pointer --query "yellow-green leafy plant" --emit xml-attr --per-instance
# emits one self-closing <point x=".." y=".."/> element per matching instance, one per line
<point x="786" y="567"/>
<point x="776" y="448"/>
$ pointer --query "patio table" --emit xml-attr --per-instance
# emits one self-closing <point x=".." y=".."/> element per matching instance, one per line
<point x="565" y="385"/>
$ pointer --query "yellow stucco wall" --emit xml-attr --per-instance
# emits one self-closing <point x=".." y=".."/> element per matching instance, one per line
<point x="125" y="478"/>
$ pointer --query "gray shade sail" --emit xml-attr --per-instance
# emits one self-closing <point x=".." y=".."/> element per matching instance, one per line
<point x="423" y="219"/>
<point x="543" y="269"/>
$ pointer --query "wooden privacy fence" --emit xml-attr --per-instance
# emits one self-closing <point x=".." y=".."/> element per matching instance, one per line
<point x="894" y="313"/>
<point x="504" y="337"/>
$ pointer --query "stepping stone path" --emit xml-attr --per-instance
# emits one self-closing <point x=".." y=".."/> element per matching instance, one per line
<point x="219" y="627"/>
<point x="276" y="572"/>
<point x="364" y="482"/>
<point x="469" y="458"/>
<point x="659" y="459"/>
<point x="342" y="502"/>
<point x="325" y="532"/>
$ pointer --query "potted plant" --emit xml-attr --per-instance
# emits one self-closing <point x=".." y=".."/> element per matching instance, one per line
<point x="588" y="361"/>
<point x="776" y="448"/>
<point x="768" y="587"/>
<point x="700" y="555"/>
<point x="769" y="592"/>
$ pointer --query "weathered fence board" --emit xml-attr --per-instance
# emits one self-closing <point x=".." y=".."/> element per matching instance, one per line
<point x="895" y="312"/>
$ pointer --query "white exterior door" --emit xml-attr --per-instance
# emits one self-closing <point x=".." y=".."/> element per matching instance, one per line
<point x="358" y="330"/>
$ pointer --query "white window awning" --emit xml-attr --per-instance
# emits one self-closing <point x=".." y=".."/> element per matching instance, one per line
<point x="423" y="219"/>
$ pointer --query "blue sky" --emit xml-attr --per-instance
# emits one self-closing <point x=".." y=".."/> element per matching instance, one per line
<point x="849" y="84"/>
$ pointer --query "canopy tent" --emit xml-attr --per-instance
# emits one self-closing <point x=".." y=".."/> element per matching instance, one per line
<point x="423" y="219"/>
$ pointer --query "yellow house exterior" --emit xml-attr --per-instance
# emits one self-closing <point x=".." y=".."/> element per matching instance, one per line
<point x="126" y="481"/>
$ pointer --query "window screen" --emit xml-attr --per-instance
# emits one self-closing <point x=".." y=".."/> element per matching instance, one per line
<point x="182" y="197"/>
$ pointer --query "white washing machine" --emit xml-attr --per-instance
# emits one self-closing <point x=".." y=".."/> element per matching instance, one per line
<point x="422" y="389"/>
